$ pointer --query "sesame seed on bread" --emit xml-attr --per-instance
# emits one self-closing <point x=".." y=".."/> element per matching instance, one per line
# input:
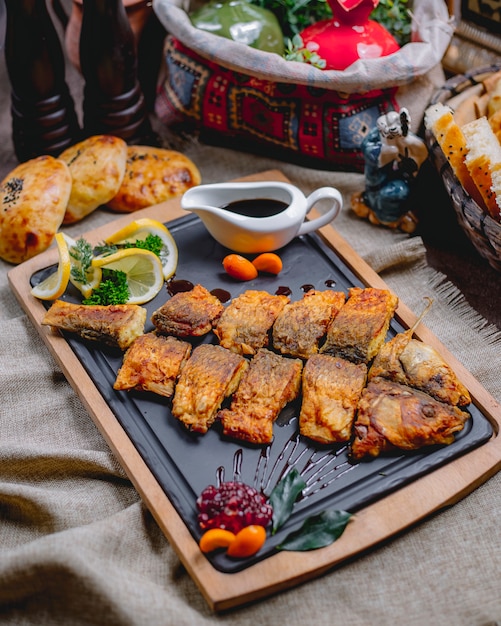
<point x="483" y="159"/>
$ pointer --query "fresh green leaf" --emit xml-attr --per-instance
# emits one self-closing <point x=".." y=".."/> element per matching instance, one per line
<point x="317" y="531"/>
<point x="296" y="51"/>
<point x="395" y="16"/>
<point x="113" y="289"/>
<point x="283" y="497"/>
<point x="82" y="253"/>
<point x="295" y="15"/>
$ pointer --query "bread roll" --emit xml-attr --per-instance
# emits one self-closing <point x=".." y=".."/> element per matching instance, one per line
<point x="483" y="158"/>
<point x="97" y="166"/>
<point x="33" y="198"/>
<point x="153" y="175"/>
<point x="439" y="119"/>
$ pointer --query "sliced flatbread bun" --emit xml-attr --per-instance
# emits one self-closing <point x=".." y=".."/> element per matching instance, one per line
<point x="439" y="119"/>
<point x="152" y="176"/>
<point x="33" y="198"/>
<point x="97" y="166"/>
<point x="483" y="160"/>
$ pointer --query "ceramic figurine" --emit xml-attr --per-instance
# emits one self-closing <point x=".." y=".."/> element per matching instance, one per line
<point x="393" y="156"/>
<point x="350" y="34"/>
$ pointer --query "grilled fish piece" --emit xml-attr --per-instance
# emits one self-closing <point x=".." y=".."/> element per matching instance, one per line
<point x="331" y="390"/>
<point x="393" y="417"/>
<point x="210" y="375"/>
<point x="359" y="329"/>
<point x="270" y="382"/>
<point x="153" y="363"/>
<point x="411" y="362"/>
<point x="115" y="325"/>
<point x="301" y="325"/>
<point x="245" y="324"/>
<point x="188" y="313"/>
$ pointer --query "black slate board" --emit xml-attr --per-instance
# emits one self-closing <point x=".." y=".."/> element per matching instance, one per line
<point x="184" y="463"/>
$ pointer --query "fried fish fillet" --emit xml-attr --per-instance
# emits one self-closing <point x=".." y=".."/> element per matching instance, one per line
<point x="393" y="417"/>
<point x="270" y="382"/>
<point x="153" y="363"/>
<point x="210" y="375"/>
<point x="301" y="325"/>
<point x="245" y="324"/>
<point x="188" y="313"/>
<point x="331" y="390"/>
<point x="411" y="362"/>
<point x="359" y="329"/>
<point x="115" y="325"/>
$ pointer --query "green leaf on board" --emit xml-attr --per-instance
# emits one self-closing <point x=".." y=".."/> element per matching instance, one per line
<point x="283" y="497"/>
<point x="318" y="531"/>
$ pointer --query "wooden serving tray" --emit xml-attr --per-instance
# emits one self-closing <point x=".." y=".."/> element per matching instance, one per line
<point x="372" y="525"/>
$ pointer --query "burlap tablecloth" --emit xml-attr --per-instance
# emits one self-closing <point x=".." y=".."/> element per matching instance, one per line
<point x="77" y="546"/>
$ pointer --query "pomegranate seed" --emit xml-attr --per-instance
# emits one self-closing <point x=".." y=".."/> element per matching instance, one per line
<point x="232" y="506"/>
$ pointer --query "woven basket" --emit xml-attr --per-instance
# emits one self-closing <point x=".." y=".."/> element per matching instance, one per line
<point x="483" y="232"/>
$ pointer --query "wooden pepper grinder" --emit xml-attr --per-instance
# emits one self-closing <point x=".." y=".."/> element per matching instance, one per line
<point x="43" y="113"/>
<point x="113" y="99"/>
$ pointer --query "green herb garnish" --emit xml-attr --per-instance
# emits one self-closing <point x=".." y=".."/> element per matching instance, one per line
<point x="283" y="497"/>
<point x="81" y="252"/>
<point x="295" y="15"/>
<point x="395" y="16"/>
<point x="317" y="531"/>
<point x="113" y="289"/>
<point x="296" y="51"/>
<point x="153" y="243"/>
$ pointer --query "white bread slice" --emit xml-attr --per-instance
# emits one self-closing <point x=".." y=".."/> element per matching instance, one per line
<point x="496" y="188"/>
<point x="483" y="159"/>
<point x="439" y="119"/>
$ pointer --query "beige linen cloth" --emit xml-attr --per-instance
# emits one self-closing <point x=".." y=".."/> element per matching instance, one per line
<point x="77" y="546"/>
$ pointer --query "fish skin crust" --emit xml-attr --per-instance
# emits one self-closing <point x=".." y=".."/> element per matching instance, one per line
<point x="116" y="324"/>
<point x="301" y="325"/>
<point x="153" y="363"/>
<point x="358" y="331"/>
<point x="393" y="417"/>
<point x="270" y="382"/>
<point x="210" y="375"/>
<point x="188" y="313"/>
<point x="411" y="362"/>
<point x="245" y="324"/>
<point x="331" y="390"/>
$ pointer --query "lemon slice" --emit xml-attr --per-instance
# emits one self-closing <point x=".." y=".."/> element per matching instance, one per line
<point x="143" y="269"/>
<point x="139" y="229"/>
<point x="93" y="275"/>
<point x="55" y="285"/>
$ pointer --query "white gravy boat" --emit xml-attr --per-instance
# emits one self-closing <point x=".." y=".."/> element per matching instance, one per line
<point x="254" y="217"/>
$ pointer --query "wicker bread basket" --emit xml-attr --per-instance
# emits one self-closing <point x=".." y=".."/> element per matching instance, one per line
<point x="483" y="231"/>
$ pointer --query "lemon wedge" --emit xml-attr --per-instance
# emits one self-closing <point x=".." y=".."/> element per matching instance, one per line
<point x="143" y="269"/>
<point x="55" y="285"/>
<point x="139" y="229"/>
<point x="92" y="275"/>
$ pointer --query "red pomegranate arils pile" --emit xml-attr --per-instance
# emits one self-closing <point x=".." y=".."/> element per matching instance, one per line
<point x="232" y="506"/>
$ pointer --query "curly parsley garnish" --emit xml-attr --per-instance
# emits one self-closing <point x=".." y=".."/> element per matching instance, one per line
<point x="113" y="289"/>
